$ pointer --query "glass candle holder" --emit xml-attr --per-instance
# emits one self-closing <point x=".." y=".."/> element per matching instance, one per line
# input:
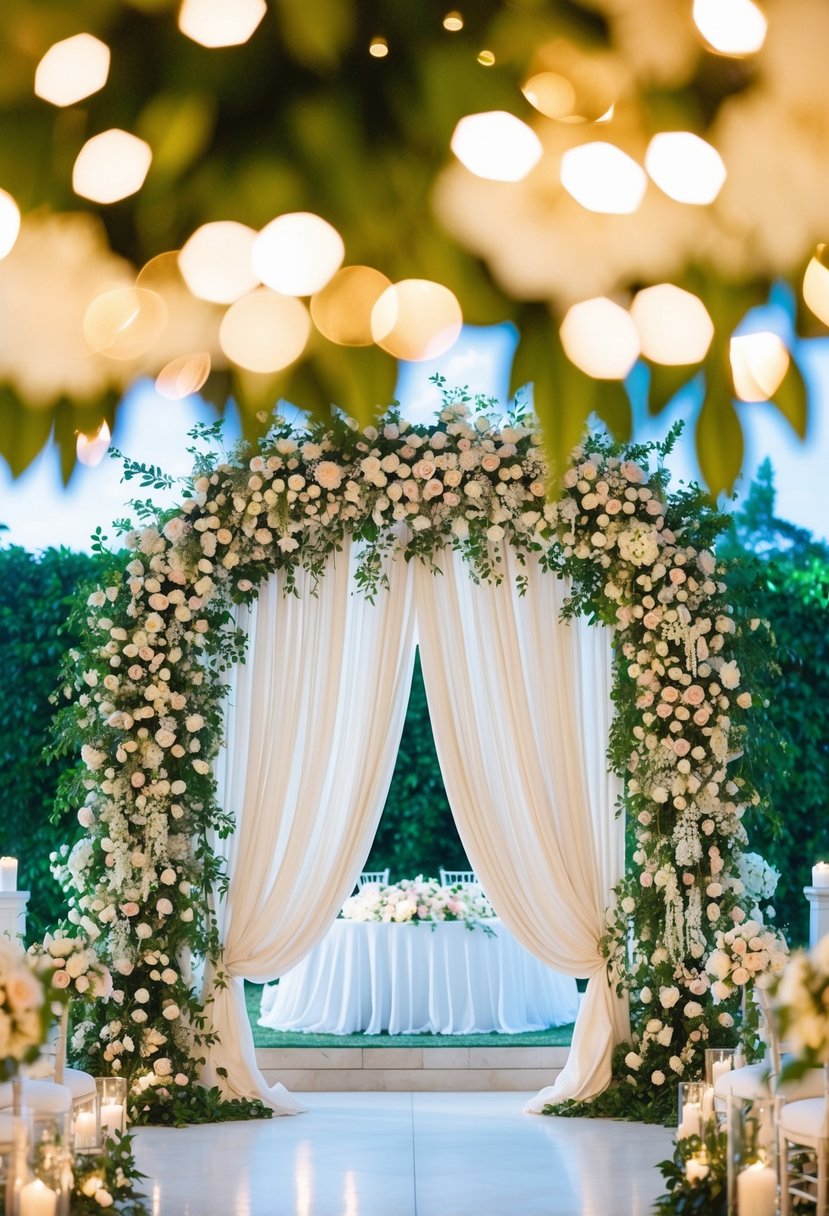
<point x="689" y="1121"/>
<point x="112" y="1105"/>
<point x="718" y="1061"/>
<point x="43" y="1173"/>
<point x="87" y="1126"/>
<point x="752" y="1146"/>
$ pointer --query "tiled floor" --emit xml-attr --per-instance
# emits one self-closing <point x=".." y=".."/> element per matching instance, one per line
<point x="405" y="1154"/>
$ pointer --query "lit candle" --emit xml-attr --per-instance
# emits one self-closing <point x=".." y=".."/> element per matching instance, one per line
<point x="8" y="873"/>
<point x="112" y="1117"/>
<point x="720" y="1068"/>
<point x="820" y="874"/>
<point x="696" y="1168"/>
<point x="38" y="1199"/>
<point x="707" y="1103"/>
<point x="691" y="1122"/>
<point x="85" y="1129"/>
<point x="757" y="1190"/>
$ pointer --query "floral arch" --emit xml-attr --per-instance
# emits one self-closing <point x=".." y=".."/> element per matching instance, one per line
<point x="145" y="694"/>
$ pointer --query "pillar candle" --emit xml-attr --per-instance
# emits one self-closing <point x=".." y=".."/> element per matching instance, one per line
<point x="707" y="1103"/>
<point x="112" y="1117"/>
<point x="37" y="1199"/>
<point x="720" y="1068"/>
<point x="691" y="1123"/>
<point x="757" y="1190"/>
<point x="8" y="873"/>
<point x="85" y="1129"/>
<point x="696" y="1169"/>
<point x="820" y="874"/>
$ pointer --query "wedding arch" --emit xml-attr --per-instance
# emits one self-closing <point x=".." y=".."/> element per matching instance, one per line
<point x="291" y="551"/>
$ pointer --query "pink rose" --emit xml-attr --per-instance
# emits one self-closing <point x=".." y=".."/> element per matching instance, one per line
<point x="702" y="716"/>
<point x="130" y="909"/>
<point x="663" y="710"/>
<point x="646" y="879"/>
<point x="681" y="747"/>
<point x="693" y="695"/>
<point x="61" y="979"/>
<point x="433" y="488"/>
<point x="328" y="475"/>
<point x="424" y="470"/>
<point x="669" y="694"/>
<point x="490" y="462"/>
<point x="677" y="576"/>
<point x="137" y="780"/>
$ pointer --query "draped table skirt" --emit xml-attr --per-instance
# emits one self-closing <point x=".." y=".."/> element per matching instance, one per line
<point x="418" y="979"/>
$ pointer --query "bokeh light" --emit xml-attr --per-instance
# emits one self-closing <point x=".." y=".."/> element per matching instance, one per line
<point x="685" y="167"/>
<point x="600" y="338"/>
<point x="9" y="223"/>
<point x="496" y="145"/>
<point x="184" y="376"/>
<point x="296" y="254"/>
<point x="552" y="95"/>
<point x="601" y="177"/>
<point x="673" y="325"/>
<point x="378" y="48"/>
<point x="816" y="286"/>
<point x="216" y="262"/>
<point x="214" y="23"/>
<point x="342" y="310"/>
<point x="453" y="22"/>
<point x="72" y="69"/>
<point x="486" y="59"/>
<point x="416" y="319"/>
<point x="732" y="27"/>
<point x="265" y="331"/>
<point x="111" y="166"/>
<point x="91" y="449"/>
<point x="759" y="361"/>
<point x="124" y="323"/>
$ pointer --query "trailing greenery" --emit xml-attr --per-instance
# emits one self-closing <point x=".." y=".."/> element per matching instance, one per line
<point x="35" y="593"/>
<point x="706" y="1196"/>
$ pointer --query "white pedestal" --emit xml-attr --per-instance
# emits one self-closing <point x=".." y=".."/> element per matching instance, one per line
<point x="13" y="914"/>
<point x="818" y="898"/>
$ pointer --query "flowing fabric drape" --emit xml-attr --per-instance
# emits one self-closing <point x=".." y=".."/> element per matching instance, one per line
<point x="520" y="708"/>
<point x="312" y="734"/>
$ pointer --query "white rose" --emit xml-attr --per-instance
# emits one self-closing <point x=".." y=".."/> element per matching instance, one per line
<point x="668" y="997"/>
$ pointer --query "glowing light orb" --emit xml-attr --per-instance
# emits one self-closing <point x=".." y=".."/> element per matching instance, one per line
<point x="342" y="310"/>
<point x="496" y="145"/>
<point x="378" y="48"/>
<point x="296" y="254"/>
<point x="72" y="69"/>
<point x="603" y="178"/>
<point x="111" y="166"/>
<point x="759" y="362"/>
<point x="673" y="325"/>
<point x="816" y="286"/>
<point x="9" y="223"/>
<point x="91" y="449"/>
<point x="183" y="376"/>
<point x="214" y="23"/>
<point x="416" y="319"/>
<point x="264" y="331"/>
<point x="600" y="338"/>
<point x="685" y="167"/>
<point x="216" y="262"/>
<point x="732" y="27"/>
<point x="125" y="323"/>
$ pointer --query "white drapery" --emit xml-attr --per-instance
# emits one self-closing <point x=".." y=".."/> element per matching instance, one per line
<point x="312" y="733"/>
<point x="520" y="707"/>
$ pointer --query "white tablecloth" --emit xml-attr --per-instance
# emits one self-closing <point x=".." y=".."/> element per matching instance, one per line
<point x="415" y="979"/>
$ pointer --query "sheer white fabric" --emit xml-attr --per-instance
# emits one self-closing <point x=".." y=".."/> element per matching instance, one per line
<point x="520" y="707"/>
<point x="312" y="734"/>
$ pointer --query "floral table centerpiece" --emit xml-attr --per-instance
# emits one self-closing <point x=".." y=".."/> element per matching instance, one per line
<point x="413" y="900"/>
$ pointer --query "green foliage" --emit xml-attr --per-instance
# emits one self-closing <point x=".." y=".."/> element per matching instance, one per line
<point x="111" y="1173"/>
<point x="35" y="591"/>
<point x="782" y="574"/>
<point x="417" y="833"/>
<point x="709" y="1195"/>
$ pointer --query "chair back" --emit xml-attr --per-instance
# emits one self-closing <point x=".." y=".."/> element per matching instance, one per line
<point x="381" y="877"/>
<point x="452" y="878"/>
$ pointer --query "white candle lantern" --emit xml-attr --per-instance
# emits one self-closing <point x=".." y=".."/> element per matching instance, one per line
<point x="718" y="1062"/>
<point x="8" y="873"/>
<point x="689" y="1122"/>
<point x="753" y="1159"/>
<point x="43" y="1168"/>
<point x="112" y="1105"/>
<point x="87" y="1126"/>
<point x="820" y="874"/>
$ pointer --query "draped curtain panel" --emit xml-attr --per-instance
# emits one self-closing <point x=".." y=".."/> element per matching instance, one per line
<point x="520" y="707"/>
<point x="312" y="732"/>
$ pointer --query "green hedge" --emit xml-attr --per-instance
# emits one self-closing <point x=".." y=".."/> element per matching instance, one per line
<point x="34" y="595"/>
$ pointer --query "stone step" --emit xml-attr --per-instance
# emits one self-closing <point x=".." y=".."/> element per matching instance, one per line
<point x="327" y="1069"/>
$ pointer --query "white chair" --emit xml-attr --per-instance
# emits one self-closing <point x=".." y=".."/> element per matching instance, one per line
<point x="803" y="1128"/>
<point x="761" y="1080"/>
<point x="374" y="876"/>
<point x="453" y="878"/>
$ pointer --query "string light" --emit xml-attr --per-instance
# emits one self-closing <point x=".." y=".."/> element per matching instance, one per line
<point x="9" y="223"/>
<point x="296" y="254"/>
<point x="486" y="59"/>
<point x="416" y="319"/>
<point x="215" y="23"/>
<point x="72" y="69"/>
<point x="600" y="338"/>
<point x="379" y="48"/>
<point x="732" y="27"/>
<point x="816" y="285"/>
<point x="91" y="449"/>
<point x="685" y="167"/>
<point x="603" y="178"/>
<point x="759" y="361"/>
<point x="496" y="145"/>
<point x="216" y="262"/>
<point x="124" y="323"/>
<point x="673" y="325"/>
<point x="184" y="376"/>
<point x="453" y="22"/>
<point x="111" y="166"/>
<point x="342" y="310"/>
<point x="265" y="332"/>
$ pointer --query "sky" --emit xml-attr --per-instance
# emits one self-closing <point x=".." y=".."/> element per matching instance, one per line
<point x="39" y="512"/>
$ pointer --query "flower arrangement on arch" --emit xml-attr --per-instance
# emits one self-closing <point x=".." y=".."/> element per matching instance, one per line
<point x="414" y="900"/>
<point x="745" y="955"/>
<point x="77" y="970"/>
<point x="26" y="1014"/>
<point x="800" y="1002"/>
